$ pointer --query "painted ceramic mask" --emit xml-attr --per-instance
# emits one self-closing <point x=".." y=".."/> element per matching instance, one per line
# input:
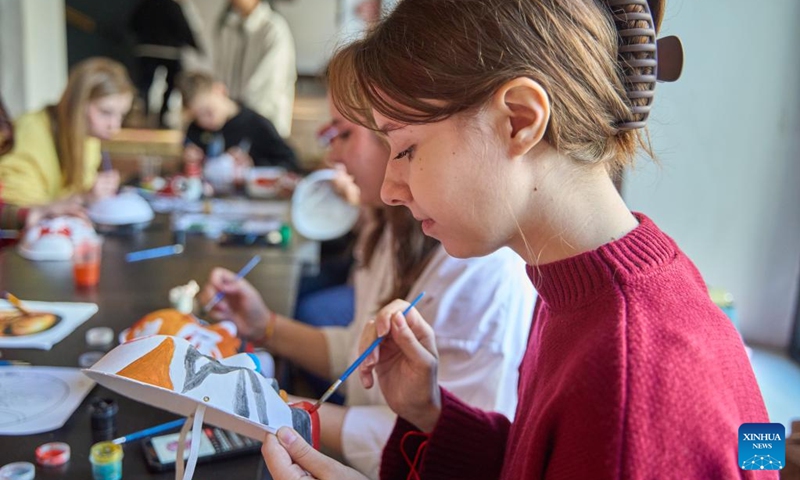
<point x="53" y="239"/>
<point x="217" y="340"/>
<point x="169" y="373"/>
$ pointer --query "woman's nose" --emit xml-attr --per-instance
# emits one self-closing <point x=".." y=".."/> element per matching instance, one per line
<point x="394" y="190"/>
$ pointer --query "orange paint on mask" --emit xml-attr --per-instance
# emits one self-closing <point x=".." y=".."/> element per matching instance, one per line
<point x="169" y="321"/>
<point x="153" y="367"/>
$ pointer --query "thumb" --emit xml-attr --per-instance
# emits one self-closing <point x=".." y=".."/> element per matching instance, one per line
<point x="305" y="456"/>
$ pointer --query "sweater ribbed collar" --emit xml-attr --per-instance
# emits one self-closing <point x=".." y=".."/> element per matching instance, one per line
<point x="572" y="281"/>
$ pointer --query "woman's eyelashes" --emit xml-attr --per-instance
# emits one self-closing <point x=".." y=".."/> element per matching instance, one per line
<point x="405" y="153"/>
<point x="341" y="136"/>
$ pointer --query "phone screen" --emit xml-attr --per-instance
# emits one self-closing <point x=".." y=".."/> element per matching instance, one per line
<point x="166" y="447"/>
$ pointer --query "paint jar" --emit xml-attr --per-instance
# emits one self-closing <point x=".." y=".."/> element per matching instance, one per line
<point x="104" y="418"/>
<point x="18" y="471"/>
<point x="100" y="338"/>
<point x="53" y="454"/>
<point x="106" y="458"/>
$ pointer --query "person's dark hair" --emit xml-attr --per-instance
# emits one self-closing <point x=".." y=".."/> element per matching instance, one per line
<point x="432" y="59"/>
<point x="6" y="130"/>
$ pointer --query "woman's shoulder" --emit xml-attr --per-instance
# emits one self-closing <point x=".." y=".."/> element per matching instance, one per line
<point x="33" y="138"/>
<point x="37" y="121"/>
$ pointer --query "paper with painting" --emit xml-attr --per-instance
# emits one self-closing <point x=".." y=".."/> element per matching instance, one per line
<point x="230" y="393"/>
<point x="46" y="324"/>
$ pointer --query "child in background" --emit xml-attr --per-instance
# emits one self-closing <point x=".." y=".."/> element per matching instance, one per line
<point x="480" y="309"/>
<point x="17" y="218"/>
<point x="220" y="123"/>
<point x="56" y="152"/>
<point x="506" y="120"/>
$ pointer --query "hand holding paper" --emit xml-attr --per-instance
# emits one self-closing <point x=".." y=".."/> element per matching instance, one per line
<point x="281" y="451"/>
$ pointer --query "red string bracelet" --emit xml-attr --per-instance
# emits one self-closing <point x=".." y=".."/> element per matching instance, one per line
<point x="412" y="464"/>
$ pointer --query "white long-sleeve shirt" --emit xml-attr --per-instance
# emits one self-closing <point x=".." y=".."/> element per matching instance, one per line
<point x="255" y="58"/>
<point x="480" y="309"/>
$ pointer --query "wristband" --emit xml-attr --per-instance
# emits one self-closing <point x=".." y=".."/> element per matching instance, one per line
<point x="269" y="331"/>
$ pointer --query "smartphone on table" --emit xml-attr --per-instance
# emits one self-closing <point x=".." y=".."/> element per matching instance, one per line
<point x="215" y="444"/>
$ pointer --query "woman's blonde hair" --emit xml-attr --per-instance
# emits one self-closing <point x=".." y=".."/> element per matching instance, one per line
<point x="432" y="59"/>
<point x="89" y="80"/>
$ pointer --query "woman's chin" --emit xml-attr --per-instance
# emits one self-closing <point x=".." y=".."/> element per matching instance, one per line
<point x="464" y="250"/>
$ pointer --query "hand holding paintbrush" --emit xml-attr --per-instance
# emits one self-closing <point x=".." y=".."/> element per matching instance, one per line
<point x="359" y="360"/>
<point x="220" y="295"/>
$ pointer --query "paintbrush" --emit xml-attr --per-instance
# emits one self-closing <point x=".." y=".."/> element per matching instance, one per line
<point x="358" y="361"/>
<point x="244" y="271"/>
<point x="16" y="303"/>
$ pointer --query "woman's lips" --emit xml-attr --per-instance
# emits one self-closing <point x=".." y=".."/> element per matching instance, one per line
<point x="427" y="224"/>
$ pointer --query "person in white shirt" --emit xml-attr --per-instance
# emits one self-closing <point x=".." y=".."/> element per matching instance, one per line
<point x="467" y="300"/>
<point x="253" y="54"/>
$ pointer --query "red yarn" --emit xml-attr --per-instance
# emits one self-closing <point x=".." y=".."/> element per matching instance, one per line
<point x="413" y="474"/>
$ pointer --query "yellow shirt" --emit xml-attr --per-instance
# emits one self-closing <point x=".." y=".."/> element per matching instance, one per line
<point x="30" y="174"/>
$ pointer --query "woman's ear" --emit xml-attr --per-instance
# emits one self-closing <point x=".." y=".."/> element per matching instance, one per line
<point x="524" y="112"/>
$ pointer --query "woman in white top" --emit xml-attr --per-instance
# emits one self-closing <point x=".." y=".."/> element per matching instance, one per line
<point x="467" y="301"/>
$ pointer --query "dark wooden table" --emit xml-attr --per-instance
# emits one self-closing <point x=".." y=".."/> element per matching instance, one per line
<point x="126" y="293"/>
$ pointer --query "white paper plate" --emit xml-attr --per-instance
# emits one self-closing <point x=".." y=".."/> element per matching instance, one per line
<point x="318" y="212"/>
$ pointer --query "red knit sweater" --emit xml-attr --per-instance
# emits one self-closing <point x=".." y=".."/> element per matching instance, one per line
<point x="631" y="372"/>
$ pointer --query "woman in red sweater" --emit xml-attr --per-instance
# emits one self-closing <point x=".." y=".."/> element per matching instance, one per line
<point x="507" y="121"/>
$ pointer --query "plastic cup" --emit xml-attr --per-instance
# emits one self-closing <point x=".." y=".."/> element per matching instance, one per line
<point x="86" y="257"/>
<point x="149" y="169"/>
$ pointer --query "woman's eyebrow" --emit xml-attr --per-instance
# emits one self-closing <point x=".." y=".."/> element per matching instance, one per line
<point x="389" y="128"/>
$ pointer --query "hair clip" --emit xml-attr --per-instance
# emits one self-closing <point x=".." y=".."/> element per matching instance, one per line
<point x="664" y="56"/>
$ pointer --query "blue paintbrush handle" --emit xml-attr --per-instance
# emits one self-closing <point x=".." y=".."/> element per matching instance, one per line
<point x="147" y="432"/>
<point x="332" y="389"/>
<point x="151" y="253"/>
<point x="375" y="343"/>
<point x="244" y="271"/>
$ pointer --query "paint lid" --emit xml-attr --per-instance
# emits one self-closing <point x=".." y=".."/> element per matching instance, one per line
<point x="103" y="453"/>
<point x="18" y="471"/>
<point x="87" y="359"/>
<point x="53" y="454"/>
<point x="99" y="337"/>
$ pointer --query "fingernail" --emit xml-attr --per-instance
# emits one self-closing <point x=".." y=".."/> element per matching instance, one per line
<point x="286" y="436"/>
<point x="397" y="319"/>
<point x="380" y="330"/>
